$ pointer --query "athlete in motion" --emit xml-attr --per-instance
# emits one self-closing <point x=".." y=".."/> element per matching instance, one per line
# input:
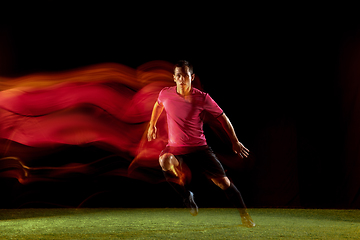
<point x="187" y="147"/>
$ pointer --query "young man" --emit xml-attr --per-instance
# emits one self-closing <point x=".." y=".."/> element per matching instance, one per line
<point x="187" y="147"/>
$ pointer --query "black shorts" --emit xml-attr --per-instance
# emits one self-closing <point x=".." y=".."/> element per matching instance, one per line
<point x="199" y="160"/>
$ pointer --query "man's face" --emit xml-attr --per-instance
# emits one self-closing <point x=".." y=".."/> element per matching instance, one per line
<point x="182" y="76"/>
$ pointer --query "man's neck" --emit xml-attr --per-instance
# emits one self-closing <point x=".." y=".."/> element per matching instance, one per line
<point x="183" y="90"/>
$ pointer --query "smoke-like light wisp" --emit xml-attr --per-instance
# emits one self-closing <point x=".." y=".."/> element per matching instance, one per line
<point x="106" y="105"/>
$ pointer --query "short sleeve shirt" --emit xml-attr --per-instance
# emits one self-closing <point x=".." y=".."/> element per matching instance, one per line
<point x="185" y="126"/>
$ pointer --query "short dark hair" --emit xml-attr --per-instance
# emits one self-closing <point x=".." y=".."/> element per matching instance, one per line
<point x="184" y="63"/>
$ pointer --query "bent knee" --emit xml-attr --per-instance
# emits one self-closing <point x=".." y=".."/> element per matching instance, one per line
<point x="167" y="161"/>
<point x="222" y="182"/>
<point x="165" y="158"/>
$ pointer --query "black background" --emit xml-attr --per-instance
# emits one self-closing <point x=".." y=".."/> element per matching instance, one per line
<point x="278" y="72"/>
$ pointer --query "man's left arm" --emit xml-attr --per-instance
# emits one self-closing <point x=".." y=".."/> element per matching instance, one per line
<point x="237" y="146"/>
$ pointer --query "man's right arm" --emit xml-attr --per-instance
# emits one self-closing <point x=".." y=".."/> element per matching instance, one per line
<point x="157" y="110"/>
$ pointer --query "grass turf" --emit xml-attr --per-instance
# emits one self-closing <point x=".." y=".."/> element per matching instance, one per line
<point x="170" y="223"/>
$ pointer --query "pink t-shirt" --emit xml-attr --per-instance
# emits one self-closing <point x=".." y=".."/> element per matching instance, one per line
<point x="185" y="125"/>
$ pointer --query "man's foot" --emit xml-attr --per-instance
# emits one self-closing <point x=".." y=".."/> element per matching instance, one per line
<point x="247" y="220"/>
<point x="190" y="203"/>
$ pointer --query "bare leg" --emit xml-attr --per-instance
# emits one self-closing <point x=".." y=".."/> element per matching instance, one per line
<point x="176" y="178"/>
<point x="233" y="194"/>
<point x="168" y="162"/>
<point x="222" y="182"/>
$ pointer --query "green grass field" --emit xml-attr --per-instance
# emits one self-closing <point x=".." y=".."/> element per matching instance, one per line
<point x="172" y="223"/>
